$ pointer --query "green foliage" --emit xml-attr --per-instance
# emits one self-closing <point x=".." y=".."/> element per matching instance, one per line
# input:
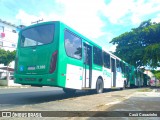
<point x="152" y="54"/>
<point x="6" y="56"/>
<point x="140" y="46"/>
<point x="156" y="73"/>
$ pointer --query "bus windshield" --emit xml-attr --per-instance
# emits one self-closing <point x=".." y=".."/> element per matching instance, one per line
<point x="39" y="35"/>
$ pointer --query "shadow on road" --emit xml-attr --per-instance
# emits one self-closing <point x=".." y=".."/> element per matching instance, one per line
<point x="37" y="97"/>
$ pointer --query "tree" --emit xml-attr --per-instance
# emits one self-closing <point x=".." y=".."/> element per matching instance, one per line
<point x="156" y="74"/>
<point x="6" y="56"/>
<point x="140" y="46"/>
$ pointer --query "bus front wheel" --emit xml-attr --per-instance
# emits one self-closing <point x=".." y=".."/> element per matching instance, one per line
<point x="99" y="86"/>
<point x="69" y="91"/>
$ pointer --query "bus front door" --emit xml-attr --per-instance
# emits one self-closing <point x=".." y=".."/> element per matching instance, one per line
<point x="87" y="73"/>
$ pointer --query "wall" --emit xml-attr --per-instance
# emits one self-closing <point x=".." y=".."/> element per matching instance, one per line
<point x="9" y="41"/>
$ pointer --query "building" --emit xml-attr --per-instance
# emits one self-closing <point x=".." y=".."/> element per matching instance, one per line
<point x="8" y="35"/>
<point x="153" y="80"/>
<point x="8" y="41"/>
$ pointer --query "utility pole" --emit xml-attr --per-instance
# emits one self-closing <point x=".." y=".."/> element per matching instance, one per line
<point x="37" y="21"/>
<point x="2" y="28"/>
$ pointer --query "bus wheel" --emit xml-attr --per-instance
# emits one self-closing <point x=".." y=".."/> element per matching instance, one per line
<point x="99" y="86"/>
<point x="69" y="91"/>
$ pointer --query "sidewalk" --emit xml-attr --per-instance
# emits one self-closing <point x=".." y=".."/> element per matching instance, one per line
<point x="7" y="87"/>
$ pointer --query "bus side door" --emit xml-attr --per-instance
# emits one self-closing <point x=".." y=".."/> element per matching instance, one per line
<point x="87" y="71"/>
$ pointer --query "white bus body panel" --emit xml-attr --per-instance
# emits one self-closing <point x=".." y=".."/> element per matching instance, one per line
<point x="74" y="77"/>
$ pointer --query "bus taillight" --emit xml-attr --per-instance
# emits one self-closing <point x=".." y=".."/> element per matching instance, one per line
<point x="53" y="62"/>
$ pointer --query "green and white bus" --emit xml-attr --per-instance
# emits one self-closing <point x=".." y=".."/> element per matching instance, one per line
<point x="53" y="54"/>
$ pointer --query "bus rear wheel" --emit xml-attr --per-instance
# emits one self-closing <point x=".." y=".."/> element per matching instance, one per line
<point x="99" y="86"/>
<point x="69" y="91"/>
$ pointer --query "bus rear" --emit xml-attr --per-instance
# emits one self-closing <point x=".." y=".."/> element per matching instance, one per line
<point x="37" y="52"/>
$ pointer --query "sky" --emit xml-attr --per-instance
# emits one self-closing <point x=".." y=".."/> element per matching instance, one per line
<point x="98" y="20"/>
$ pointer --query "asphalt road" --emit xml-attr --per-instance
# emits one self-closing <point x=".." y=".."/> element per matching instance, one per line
<point x="14" y="97"/>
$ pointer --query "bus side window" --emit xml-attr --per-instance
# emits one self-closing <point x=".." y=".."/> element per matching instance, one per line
<point x="127" y="69"/>
<point x="118" y="66"/>
<point x="122" y="67"/>
<point x="86" y="55"/>
<point x="73" y="45"/>
<point x="97" y="56"/>
<point x="106" y="60"/>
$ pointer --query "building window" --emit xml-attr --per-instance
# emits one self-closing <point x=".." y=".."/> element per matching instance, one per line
<point x="2" y="35"/>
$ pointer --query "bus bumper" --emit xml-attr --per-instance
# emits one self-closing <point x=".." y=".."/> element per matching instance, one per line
<point x="36" y="80"/>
